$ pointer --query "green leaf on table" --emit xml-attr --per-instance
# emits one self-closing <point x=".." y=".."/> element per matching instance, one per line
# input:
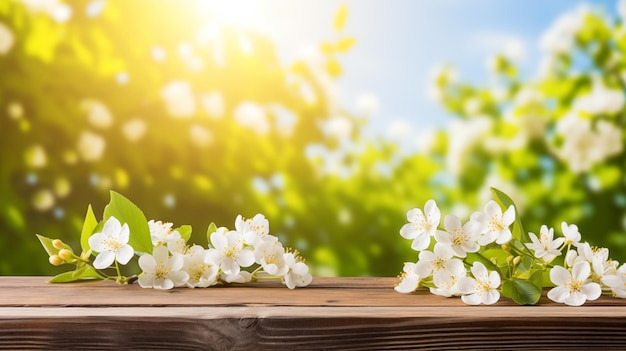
<point x="505" y="201"/>
<point x="184" y="231"/>
<point x="212" y="229"/>
<point x="85" y="274"/>
<point x="89" y="225"/>
<point x="127" y="212"/>
<point x="521" y="291"/>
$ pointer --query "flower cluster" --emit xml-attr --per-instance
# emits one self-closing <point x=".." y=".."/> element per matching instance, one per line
<point x="242" y="255"/>
<point x="491" y="255"/>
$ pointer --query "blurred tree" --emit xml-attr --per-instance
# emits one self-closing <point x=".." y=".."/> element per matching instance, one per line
<point x="195" y="121"/>
<point x="554" y="141"/>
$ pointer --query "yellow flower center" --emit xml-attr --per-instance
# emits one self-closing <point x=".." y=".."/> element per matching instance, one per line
<point x="574" y="285"/>
<point x="161" y="271"/>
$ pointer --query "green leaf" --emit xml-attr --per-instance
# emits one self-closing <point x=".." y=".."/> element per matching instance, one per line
<point x="212" y="229"/>
<point x="525" y="264"/>
<point x="521" y="291"/>
<point x="86" y="274"/>
<point x="89" y="225"/>
<point x="185" y="232"/>
<point x="475" y="257"/>
<point x="47" y="245"/>
<point x="341" y="17"/>
<point x="127" y="212"/>
<point x="505" y="201"/>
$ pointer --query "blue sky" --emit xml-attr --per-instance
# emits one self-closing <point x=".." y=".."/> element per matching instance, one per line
<point x="401" y="41"/>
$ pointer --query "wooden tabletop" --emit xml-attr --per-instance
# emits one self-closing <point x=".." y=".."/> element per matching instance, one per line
<point x="330" y="314"/>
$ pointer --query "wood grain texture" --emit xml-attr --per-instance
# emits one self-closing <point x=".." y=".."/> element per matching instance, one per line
<point x="331" y="314"/>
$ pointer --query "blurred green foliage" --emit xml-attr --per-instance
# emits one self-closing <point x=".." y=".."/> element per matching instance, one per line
<point x="197" y="121"/>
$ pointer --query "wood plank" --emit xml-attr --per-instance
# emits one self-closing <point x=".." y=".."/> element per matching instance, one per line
<point x="331" y="314"/>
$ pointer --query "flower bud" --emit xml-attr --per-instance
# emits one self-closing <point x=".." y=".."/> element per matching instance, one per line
<point x="506" y="247"/>
<point x="58" y="244"/>
<point x="517" y="260"/>
<point x="65" y="254"/>
<point x="510" y="259"/>
<point x="55" y="260"/>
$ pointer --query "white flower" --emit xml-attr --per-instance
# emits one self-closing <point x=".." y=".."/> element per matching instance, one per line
<point x="254" y="230"/>
<point x="438" y="263"/>
<point x="460" y="239"/>
<point x="338" y="127"/>
<point x="202" y="272"/>
<point x="601" y="100"/>
<point x="573" y="288"/>
<point x="409" y="280"/>
<point x="241" y="277"/>
<point x="6" y="39"/>
<point x="483" y="288"/>
<point x="160" y="271"/>
<point x="422" y="225"/>
<point x="446" y="283"/>
<point x="91" y="146"/>
<point x="179" y="99"/>
<point x="545" y="247"/>
<point x="112" y="244"/>
<point x="298" y="274"/>
<point x="617" y="282"/>
<point x="252" y="115"/>
<point x="585" y="145"/>
<point x="161" y="233"/>
<point x="571" y="234"/>
<point x="496" y="223"/>
<point x="229" y="252"/>
<point x="271" y="256"/>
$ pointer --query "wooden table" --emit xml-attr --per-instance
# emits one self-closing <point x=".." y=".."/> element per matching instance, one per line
<point x="331" y="314"/>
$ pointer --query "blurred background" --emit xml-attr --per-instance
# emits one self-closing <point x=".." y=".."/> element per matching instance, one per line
<point x="332" y="118"/>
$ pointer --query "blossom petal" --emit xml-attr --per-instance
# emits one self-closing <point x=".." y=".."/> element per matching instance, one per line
<point x="559" y="275"/>
<point x="559" y="293"/>
<point x="575" y="299"/>
<point x="451" y="223"/>
<point x="245" y="258"/>
<point x="162" y="284"/>
<point x="504" y="237"/>
<point x="176" y="262"/>
<point x="112" y="227"/>
<point x="421" y="242"/>
<point x="591" y="290"/>
<point x="490" y="297"/>
<point x="230" y="267"/>
<point x="493" y="209"/>
<point x="146" y="280"/>
<point x="124" y="234"/>
<point x="104" y="260"/>
<point x="466" y="285"/>
<point x="508" y="217"/>
<point x="414" y="215"/>
<point x="479" y="270"/>
<point x="409" y="284"/>
<point x="96" y="242"/>
<point x="178" y="278"/>
<point x="472" y="299"/>
<point x="581" y="271"/>
<point x="124" y="254"/>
